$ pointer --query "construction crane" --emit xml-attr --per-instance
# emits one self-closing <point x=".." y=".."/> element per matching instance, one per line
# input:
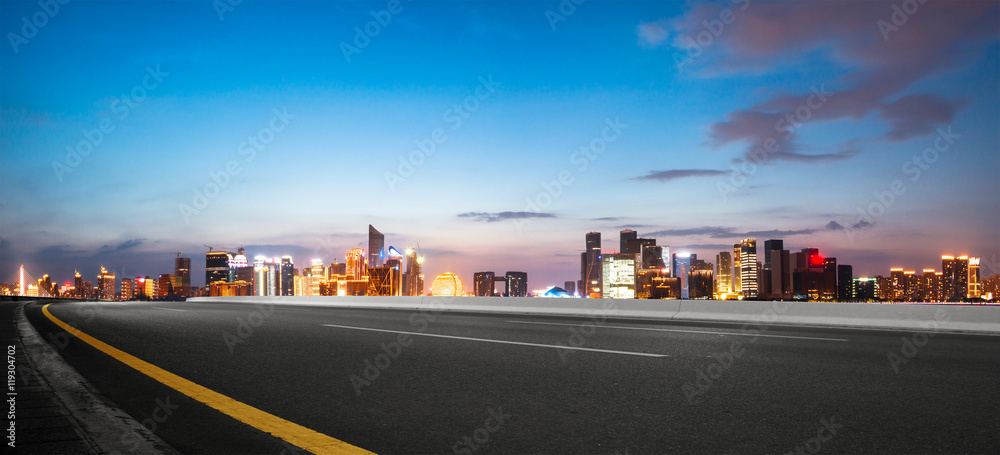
<point x="210" y="248"/>
<point x="179" y="254"/>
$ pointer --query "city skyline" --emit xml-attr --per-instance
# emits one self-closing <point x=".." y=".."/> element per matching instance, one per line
<point x="495" y="134"/>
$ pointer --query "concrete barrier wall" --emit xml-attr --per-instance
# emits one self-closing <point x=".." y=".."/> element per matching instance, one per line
<point x="959" y="318"/>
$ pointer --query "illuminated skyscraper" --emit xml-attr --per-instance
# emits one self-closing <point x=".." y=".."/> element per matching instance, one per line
<point x="482" y="284"/>
<point x="955" y="281"/>
<point x="974" y="289"/>
<point x="724" y="274"/>
<point x="376" y="247"/>
<point x="516" y="284"/>
<point x="318" y="273"/>
<point x="593" y="268"/>
<point x="78" y="285"/>
<point x="106" y="285"/>
<point x="395" y="262"/>
<point x="618" y="276"/>
<point x="748" y="268"/>
<point x="413" y="279"/>
<point x="287" y="272"/>
<point x="829" y="290"/>
<point x="357" y="264"/>
<point x="216" y="266"/>
<point x="737" y="270"/>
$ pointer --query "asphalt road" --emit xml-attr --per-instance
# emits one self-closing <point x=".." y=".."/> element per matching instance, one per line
<point x="473" y="383"/>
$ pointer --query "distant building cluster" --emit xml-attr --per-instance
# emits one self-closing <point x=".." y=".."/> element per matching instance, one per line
<point x="639" y="270"/>
<point x="377" y="272"/>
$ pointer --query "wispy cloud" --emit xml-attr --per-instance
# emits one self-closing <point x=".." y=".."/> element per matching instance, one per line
<point x="653" y="34"/>
<point x="503" y="216"/>
<point x="879" y="65"/>
<point x="673" y="174"/>
<point x="720" y="232"/>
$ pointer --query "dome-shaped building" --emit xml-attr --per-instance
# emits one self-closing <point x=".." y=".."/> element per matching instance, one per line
<point x="447" y="285"/>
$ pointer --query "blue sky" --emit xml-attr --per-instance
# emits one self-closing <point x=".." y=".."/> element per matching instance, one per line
<point x="668" y="173"/>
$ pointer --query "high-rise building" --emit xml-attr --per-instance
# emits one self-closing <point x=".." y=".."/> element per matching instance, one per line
<point x="128" y="289"/>
<point x="618" y="276"/>
<point x="78" y="286"/>
<point x="929" y="287"/>
<point x="380" y="280"/>
<point x="216" y="266"/>
<point x="593" y="267"/>
<point x="376" y="247"/>
<point x="737" y="270"/>
<point x="413" y="279"/>
<point x="570" y="287"/>
<point x="395" y="262"/>
<point x="182" y="268"/>
<point x="482" y="284"/>
<point x="955" y="281"/>
<point x="724" y="274"/>
<point x="650" y="256"/>
<point x="680" y="267"/>
<point x="357" y="264"/>
<point x="897" y="283"/>
<point x="845" y="283"/>
<point x="865" y="289"/>
<point x="106" y="285"/>
<point x="807" y="274"/>
<point x="748" y="268"/>
<point x="625" y="236"/>
<point x="287" y="272"/>
<point x="516" y="284"/>
<point x="974" y="288"/>
<point x="318" y="273"/>
<point x="700" y="282"/>
<point x="829" y="290"/>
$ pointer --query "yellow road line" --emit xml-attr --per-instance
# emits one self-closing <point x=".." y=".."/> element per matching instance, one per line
<point x="295" y="434"/>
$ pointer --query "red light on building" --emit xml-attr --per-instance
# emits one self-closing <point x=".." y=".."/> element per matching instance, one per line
<point x="816" y="260"/>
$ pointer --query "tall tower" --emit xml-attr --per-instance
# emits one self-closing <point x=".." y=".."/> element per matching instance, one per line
<point x="106" y="285"/>
<point x="357" y="264"/>
<point x="182" y="268"/>
<point x="724" y="277"/>
<point x="216" y="267"/>
<point x="748" y="268"/>
<point x="376" y="247"/>
<point x="287" y="276"/>
<point x="626" y="235"/>
<point x="593" y="273"/>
